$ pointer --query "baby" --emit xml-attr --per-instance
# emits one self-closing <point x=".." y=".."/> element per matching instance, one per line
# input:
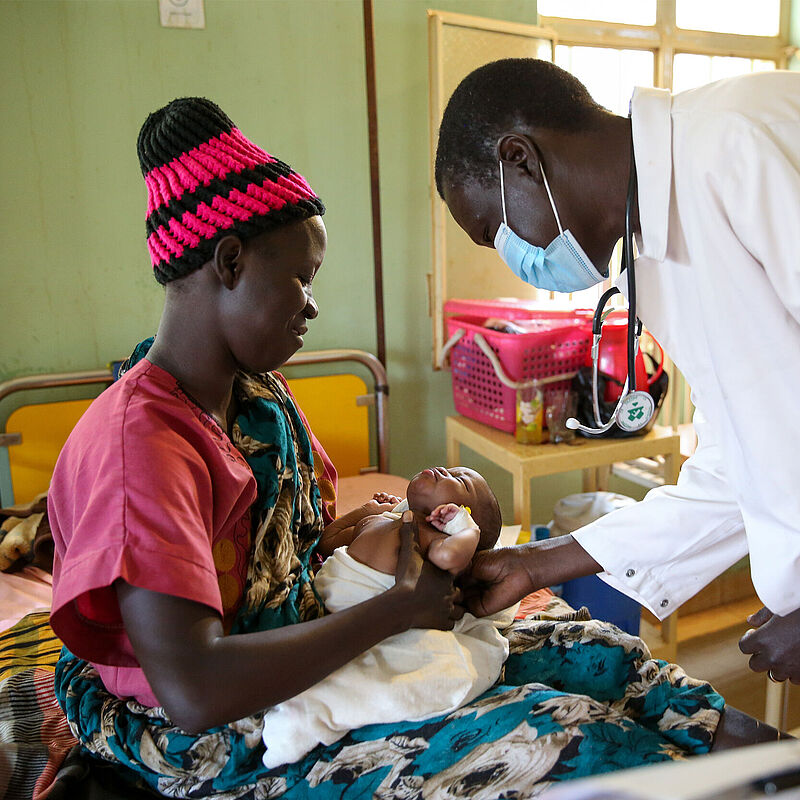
<point x="456" y="511"/>
<point x="417" y="674"/>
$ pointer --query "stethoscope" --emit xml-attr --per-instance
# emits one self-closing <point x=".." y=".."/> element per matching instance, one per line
<point x="635" y="408"/>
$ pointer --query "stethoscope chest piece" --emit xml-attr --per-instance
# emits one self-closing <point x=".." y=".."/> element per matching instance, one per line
<point x="635" y="411"/>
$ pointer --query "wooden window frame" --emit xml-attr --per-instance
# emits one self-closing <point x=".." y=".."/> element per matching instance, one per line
<point x="665" y="39"/>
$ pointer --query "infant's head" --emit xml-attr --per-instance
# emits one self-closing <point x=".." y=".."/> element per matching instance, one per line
<point x="460" y="485"/>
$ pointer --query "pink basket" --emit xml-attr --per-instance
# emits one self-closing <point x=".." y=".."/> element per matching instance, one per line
<point x="558" y="343"/>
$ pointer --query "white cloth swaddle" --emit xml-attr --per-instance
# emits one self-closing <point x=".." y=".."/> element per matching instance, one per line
<point x="410" y="676"/>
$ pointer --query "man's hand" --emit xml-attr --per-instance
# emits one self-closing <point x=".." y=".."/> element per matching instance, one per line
<point x="497" y="580"/>
<point x="774" y="643"/>
<point x="501" y="577"/>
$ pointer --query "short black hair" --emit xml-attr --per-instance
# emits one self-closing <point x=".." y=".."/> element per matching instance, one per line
<point x="498" y="97"/>
<point x="488" y="518"/>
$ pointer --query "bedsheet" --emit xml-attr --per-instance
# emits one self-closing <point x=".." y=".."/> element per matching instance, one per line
<point x="23" y="592"/>
<point x="34" y="738"/>
<point x="34" y="735"/>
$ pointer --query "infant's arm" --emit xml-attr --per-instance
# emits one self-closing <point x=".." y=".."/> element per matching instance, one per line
<point x="452" y="552"/>
<point x="385" y="497"/>
<point x="377" y="543"/>
<point x="341" y="531"/>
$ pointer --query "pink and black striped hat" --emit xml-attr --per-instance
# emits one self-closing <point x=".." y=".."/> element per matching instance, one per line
<point x="206" y="179"/>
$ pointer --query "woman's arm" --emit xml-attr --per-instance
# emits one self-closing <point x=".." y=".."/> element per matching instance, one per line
<point x="204" y="678"/>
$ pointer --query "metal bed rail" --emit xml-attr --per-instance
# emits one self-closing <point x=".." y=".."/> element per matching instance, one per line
<point x="80" y="378"/>
<point x="380" y="397"/>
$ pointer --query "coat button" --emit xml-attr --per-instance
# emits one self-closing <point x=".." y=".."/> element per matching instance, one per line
<point x="630" y="573"/>
<point x="664" y="603"/>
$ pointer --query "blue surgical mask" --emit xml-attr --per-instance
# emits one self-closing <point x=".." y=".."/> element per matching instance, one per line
<point x="562" y="266"/>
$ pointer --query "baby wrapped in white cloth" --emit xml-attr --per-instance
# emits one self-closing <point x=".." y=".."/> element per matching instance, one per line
<point x="411" y="676"/>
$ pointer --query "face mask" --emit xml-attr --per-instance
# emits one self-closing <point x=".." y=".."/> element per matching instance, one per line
<point x="560" y="267"/>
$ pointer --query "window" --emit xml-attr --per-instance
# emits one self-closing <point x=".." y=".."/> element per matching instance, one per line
<point x="614" y="45"/>
<point x="694" y="69"/>
<point x="690" y="41"/>
<point x="608" y="73"/>
<point x="741" y="16"/>
<point x="632" y="12"/>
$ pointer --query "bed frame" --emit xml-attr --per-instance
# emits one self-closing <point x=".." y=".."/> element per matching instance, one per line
<point x="366" y="432"/>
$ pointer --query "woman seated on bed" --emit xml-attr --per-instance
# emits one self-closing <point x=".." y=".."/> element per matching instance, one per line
<point x="186" y="511"/>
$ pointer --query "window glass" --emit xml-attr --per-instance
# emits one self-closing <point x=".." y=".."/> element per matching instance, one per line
<point x="609" y="74"/>
<point x="633" y="12"/>
<point x="690" y="70"/>
<point x="732" y="16"/>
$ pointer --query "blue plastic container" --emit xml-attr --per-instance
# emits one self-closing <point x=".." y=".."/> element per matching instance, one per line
<point x="604" y="602"/>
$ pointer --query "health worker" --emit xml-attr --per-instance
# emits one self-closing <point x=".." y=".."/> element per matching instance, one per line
<point x="527" y="162"/>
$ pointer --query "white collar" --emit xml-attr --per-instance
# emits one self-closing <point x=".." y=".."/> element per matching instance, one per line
<point x="651" y="125"/>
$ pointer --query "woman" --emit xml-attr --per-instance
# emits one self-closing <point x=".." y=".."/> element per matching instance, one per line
<point x="186" y="514"/>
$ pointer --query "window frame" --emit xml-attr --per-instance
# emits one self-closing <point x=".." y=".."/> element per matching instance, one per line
<point x="665" y="39"/>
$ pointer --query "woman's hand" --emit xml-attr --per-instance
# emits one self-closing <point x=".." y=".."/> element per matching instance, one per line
<point x="182" y="647"/>
<point x="774" y="643"/>
<point x="430" y="599"/>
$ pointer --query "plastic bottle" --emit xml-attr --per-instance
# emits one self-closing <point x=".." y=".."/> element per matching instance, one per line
<point x="530" y="414"/>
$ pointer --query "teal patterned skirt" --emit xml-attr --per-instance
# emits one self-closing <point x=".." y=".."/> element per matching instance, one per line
<point x="577" y="698"/>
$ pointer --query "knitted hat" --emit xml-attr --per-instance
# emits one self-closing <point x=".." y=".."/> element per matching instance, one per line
<point x="205" y="179"/>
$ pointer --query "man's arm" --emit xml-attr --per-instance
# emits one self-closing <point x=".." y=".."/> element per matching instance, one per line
<point x="501" y="577"/>
<point x="665" y="548"/>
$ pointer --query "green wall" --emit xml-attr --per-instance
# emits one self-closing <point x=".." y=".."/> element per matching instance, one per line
<point x="79" y="78"/>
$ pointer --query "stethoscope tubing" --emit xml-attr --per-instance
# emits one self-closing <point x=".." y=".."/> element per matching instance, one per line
<point x="634" y="324"/>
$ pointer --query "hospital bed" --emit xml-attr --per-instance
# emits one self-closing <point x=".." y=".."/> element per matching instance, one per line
<point x="348" y="415"/>
<point x="344" y="395"/>
<point x="350" y="421"/>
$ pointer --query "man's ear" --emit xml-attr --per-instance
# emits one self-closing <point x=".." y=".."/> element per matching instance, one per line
<point x="519" y="152"/>
<point x="227" y="260"/>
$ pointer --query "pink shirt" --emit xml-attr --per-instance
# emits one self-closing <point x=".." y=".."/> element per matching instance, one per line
<point x="148" y="488"/>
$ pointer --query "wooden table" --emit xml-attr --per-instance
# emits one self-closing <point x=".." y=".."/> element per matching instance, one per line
<point x="593" y="456"/>
<point x="525" y="461"/>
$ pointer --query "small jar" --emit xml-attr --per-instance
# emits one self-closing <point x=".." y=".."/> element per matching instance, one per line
<point x="530" y="414"/>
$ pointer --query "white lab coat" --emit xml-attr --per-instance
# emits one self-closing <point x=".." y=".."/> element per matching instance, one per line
<point x="718" y="284"/>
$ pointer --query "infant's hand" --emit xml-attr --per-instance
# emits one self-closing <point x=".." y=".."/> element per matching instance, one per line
<point x="372" y="507"/>
<point x="385" y="497"/>
<point x="442" y="514"/>
<point x="368" y="509"/>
